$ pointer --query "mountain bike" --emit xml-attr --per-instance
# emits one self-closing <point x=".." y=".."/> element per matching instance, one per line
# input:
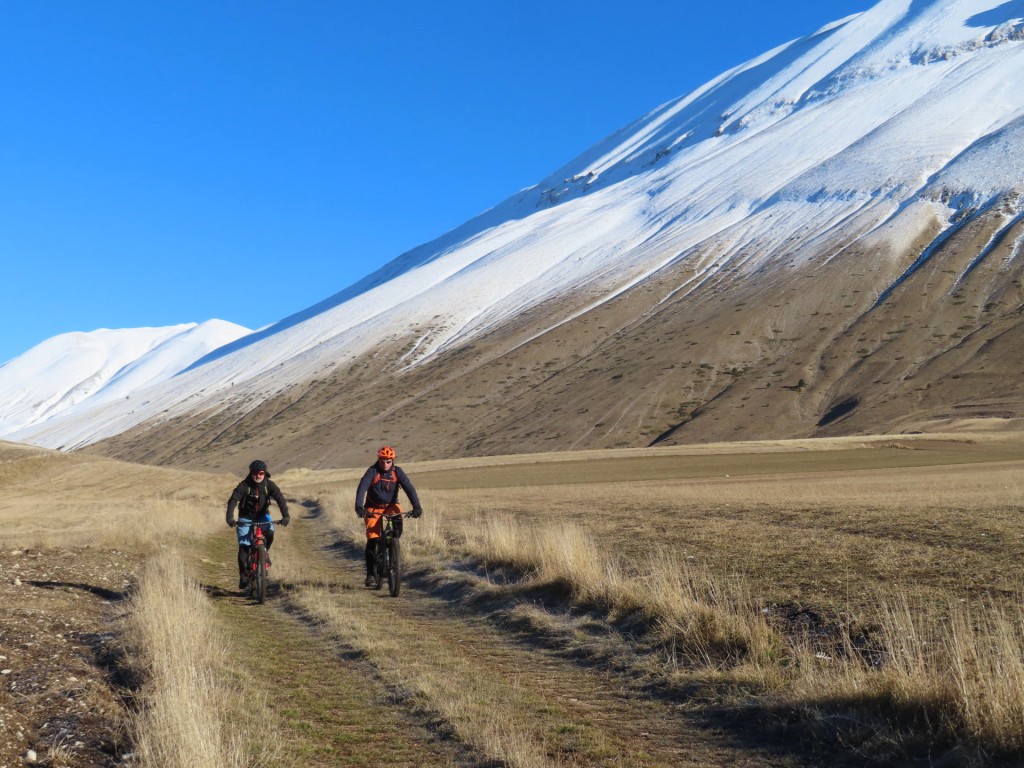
<point x="389" y="552"/>
<point x="258" y="563"/>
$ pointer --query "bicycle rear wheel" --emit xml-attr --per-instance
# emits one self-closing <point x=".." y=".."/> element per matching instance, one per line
<point x="261" y="574"/>
<point x="394" y="568"/>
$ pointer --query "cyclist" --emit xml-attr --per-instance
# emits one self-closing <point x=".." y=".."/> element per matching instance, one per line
<point x="252" y="497"/>
<point x="379" y="489"/>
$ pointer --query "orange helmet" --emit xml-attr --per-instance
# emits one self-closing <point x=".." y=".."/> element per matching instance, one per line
<point x="387" y="452"/>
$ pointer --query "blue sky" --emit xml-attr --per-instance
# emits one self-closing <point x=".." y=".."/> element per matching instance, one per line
<point x="165" y="163"/>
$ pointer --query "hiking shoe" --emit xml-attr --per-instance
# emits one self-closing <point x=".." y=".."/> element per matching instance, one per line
<point x="370" y="582"/>
<point x="243" y="582"/>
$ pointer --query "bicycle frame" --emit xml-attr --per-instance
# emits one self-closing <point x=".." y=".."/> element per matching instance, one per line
<point x="389" y="529"/>
<point x="259" y="539"/>
<point x="258" y="564"/>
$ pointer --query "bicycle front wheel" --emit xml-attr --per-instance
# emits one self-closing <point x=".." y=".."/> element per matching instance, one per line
<point x="382" y="563"/>
<point x="261" y="574"/>
<point x="394" y="568"/>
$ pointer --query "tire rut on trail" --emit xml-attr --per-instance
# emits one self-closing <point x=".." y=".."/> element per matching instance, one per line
<point x="519" y="702"/>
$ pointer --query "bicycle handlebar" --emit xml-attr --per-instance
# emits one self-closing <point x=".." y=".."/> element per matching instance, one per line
<point x="261" y="522"/>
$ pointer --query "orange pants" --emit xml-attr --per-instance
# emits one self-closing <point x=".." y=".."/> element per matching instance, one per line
<point x="374" y="526"/>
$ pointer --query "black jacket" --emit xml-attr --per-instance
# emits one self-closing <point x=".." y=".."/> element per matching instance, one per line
<point x="379" y="489"/>
<point x="253" y="499"/>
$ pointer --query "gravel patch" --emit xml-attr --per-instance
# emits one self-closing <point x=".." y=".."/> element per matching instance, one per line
<point x="62" y="702"/>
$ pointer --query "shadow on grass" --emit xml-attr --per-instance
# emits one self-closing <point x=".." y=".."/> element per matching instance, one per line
<point x="861" y="730"/>
<point x="218" y="592"/>
<point x="856" y="730"/>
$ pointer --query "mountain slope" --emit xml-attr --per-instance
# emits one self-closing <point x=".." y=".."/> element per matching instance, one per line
<point x="817" y="240"/>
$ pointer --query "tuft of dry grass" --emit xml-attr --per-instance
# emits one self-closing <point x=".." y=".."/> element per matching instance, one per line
<point x="706" y="623"/>
<point x="986" y="661"/>
<point x="182" y="717"/>
<point x="954" y="677"/>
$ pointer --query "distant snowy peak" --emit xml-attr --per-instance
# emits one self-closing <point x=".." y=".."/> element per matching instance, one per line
<point x="90" y="368"/>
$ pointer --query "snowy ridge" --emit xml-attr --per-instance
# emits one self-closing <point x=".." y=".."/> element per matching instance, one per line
<point x="77" y="369"/>
<point x="912" y="102"/>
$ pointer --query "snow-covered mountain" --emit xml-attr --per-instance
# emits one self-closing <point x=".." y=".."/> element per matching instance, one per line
<point x="774" y="223"/>
<point x="84" y="369"/>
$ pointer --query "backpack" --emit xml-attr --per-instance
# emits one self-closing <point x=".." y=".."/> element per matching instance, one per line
<point x="391" y="482"/>
<point x="392" y="479"/>
<point x="251" y="502"/>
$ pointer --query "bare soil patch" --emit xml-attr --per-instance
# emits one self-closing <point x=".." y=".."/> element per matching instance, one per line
<point x="60" y="694"/>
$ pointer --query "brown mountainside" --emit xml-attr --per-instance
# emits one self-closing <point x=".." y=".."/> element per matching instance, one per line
<point x="827" y="340"/>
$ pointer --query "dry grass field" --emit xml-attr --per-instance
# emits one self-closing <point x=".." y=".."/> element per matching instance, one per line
<point x="849" y="601"/>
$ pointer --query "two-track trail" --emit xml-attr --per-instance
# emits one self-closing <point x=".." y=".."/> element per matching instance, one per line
<point x="357" y="677"/>
<point x="328" y="708"/>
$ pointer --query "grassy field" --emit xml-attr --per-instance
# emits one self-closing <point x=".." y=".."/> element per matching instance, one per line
<point x="870" y="582"/>
<point x="777" y="603"/>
